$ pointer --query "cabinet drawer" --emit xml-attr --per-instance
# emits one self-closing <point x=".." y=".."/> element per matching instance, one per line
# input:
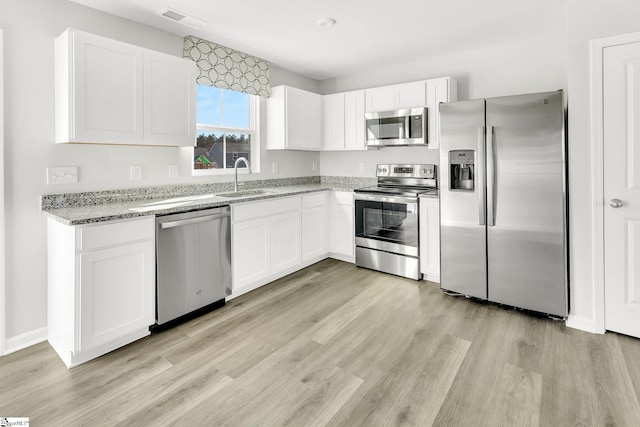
<point x="115" y="233"/>
<point x="314" y="200"/>
<point x="252" y="210"/>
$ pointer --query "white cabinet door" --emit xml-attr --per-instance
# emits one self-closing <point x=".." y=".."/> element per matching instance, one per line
<point x="105" y="89"/>
<point x="294" y="119"/>
<point x="342" y="225"/>
<point x="117" y="288"/>
<point x="380" y="98"/>
<point x="334" y="121"/>
<point x="109" y="92"/>
<point x="410" y="95"/>
<point x="430" y="239"/>
<point x="284" y="241"/>
<point x="314" y="232"/>
<point x="304" y="118"/>
<point x="250" y="252"/>
<point x="170" y="106"/>
<point x="438" y="90"/>
<point x="354" y="124"/>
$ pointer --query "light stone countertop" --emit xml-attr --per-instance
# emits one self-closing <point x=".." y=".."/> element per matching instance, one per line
<point x="114" y="210"/>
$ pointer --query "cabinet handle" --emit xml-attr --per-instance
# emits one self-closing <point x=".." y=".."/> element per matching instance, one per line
<point x="171" y="224"/>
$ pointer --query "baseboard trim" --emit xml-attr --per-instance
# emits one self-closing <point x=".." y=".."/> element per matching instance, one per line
<point x="583" y="324"/>
<point x="25" y="340"/>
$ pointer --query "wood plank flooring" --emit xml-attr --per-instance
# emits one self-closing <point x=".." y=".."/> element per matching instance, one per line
<point x="337" y="345"/>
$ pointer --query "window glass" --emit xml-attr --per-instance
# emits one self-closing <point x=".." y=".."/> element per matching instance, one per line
<point x="236" y="109"/>
<point x="224" y="128"/>
<point x="208" y="105"/>
<point x="238" y="145"/>
<point x="209" y="150"/>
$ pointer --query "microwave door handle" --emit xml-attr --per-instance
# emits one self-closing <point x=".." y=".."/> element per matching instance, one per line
<point x="480" y="176"/>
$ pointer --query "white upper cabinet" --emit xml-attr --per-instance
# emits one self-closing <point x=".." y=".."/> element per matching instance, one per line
<point x="354" y="135"/>
<point x="380" y="98"/>
<point x="410" y="95"/>
<point x="334" y="121"/>
<point x="406" y="95"/>
<point x="169" y="101"/>
<point x="301" y="120"/>
<point x="294" y="119"/>
<point x="438" y="90"/>
<point x="344" y="121"/>
<point x="109" y="92"/>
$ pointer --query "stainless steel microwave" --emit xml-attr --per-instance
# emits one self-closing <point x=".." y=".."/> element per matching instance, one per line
<point x="398" y="127"/>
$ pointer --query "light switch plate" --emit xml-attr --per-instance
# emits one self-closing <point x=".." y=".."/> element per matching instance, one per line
<point x="62" y="175"/>
<point x="136" y="172"/>
<point x="361" y="167"/>
<point x="274" y="167"/>
<point x="314" y="166"/>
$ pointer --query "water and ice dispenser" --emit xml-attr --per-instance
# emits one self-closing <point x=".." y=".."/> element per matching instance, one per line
<point x="462" y="170"/>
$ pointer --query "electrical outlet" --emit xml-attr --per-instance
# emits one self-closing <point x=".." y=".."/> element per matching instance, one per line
<point x="361" y="167"/>
<point x="62" y="175"/>
<point x="136" y="172"/>
<point x="314" y="166"/>
<point x="274" y="167"/>
<point x="173" y="171"/>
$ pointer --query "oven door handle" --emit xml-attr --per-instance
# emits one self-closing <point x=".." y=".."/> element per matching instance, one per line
<point x="387" y="199"/>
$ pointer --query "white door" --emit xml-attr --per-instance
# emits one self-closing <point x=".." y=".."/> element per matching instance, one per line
<point x="622" y="188"/>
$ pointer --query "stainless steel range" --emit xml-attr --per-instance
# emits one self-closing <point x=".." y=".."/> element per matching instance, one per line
<point x="386" y="219"/>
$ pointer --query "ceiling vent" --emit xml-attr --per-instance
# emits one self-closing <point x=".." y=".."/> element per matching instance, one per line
<point x="182" y="18"/>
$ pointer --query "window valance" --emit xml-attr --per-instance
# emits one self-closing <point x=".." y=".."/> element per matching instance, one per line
<point x="226" y="68"/>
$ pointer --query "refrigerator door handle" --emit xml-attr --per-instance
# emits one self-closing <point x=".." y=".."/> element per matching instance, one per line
<point x="491" y="179"/>
<point x="480" y="176"/>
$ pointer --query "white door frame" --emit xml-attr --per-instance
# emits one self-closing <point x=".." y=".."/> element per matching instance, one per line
<point x="597" y="167"/>
<point x="3" y="306"/>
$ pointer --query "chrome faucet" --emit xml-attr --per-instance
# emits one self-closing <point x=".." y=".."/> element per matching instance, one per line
<point x="235" y="166"/>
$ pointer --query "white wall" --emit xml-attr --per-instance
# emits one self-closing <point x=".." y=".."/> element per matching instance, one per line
<point x="588" y="20"/>
<point x="514" y="67"/>
<point x="29" y="30"/>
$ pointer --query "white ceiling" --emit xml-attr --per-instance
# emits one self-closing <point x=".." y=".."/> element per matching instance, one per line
<point x="367" y="32"/>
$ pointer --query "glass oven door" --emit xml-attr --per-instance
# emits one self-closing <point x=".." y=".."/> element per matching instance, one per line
<point x="387" y="223"/>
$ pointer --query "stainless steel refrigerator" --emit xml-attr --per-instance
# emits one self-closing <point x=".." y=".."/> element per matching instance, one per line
<point x="503" y="201"/>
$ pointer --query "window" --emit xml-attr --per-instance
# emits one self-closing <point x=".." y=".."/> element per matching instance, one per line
<point x="226" y="130"/>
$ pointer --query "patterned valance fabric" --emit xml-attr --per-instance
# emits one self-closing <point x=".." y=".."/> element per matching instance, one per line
<point x="225" y="68"/>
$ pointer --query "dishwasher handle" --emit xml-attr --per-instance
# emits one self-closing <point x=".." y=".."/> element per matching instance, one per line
<point x="181" y="222"/>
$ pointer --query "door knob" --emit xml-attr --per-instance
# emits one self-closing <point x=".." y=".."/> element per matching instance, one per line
<point x="615" y="203"/>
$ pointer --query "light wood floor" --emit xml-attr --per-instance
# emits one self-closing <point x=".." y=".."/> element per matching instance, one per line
<point x="342" y="346"/>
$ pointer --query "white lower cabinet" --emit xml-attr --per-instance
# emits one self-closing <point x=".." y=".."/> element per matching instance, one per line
<point x="101" y="286"/>
<point x="315" y="226"/>
<point x="430" y="239"/>
<point x="273" y="238"/>
<point x="342" y="226"/>
<point x="265" y="241"/>
<point x="285" y="241"/>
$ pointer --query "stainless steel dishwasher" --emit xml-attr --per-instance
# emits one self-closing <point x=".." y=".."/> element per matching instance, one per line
<point x="193" y="264"/>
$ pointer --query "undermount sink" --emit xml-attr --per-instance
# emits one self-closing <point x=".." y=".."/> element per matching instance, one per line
<point x="246" y="193"/>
